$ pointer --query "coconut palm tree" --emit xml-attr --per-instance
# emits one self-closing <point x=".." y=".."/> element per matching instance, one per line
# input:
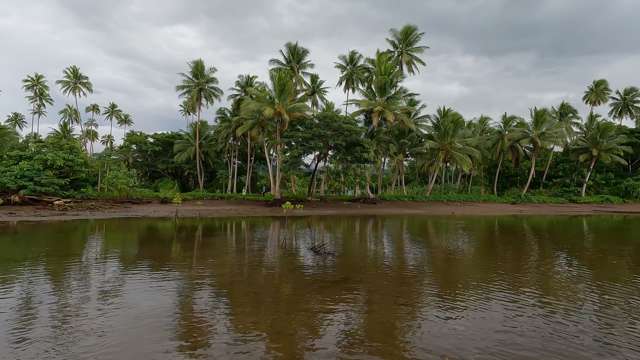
<point x="76" y="84"/>
<point x="107" y="141"/>
<point x="540" y="133"/>
<point x="94" y="110"/>
<point x="125" y="121"/>
<point x="112" y="112"/>
<point x="600" y="141"/>
<point x="185" y="148"/>
<point x="242" y="88"/>
<point x="447" y="143"/>
<point x="16" y="121"/>
<point x="625" y="104"/>
<point x="352" y="74"/>
<point x="200" y="86"/>
<point x="91" y="135"/>
<point x="382" y="99"/>
<point x="505" y="143"/>
<point x="69" y="114"/>
<point x="38" y="96"/>
<point x="280" y="104"/>
<point x="295" y="60"/>
<point x="406" y="49"/>
<point x="597" y="93"/>
<point x="64" y="131"/>
<point x="316" y="92"/>
<point x="567" y="119"/>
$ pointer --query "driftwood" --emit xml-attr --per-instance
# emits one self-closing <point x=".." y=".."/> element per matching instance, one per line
<point x="17" y="199"/>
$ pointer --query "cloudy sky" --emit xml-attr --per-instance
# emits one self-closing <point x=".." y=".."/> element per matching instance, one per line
<point x="486" y="56"/>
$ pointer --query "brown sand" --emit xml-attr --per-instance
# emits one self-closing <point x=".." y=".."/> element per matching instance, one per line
<point x="219" y="208"/>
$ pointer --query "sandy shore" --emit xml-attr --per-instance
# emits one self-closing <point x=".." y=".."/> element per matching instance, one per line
<point x="219" y="208"/>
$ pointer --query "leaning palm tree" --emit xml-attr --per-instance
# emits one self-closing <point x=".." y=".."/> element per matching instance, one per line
<point x="406" y="49"/>
<point x="280" y="104"/>
<point x="124" y="121"/>
<point x="38" y="96"/>
<point x="505" y="143"/>
<point x="567" y="119"/>
<point x="625" y="104"/>
<point x="316" y="92"/>
<point x="352" y="74"/>
<point x="600" y="140"/>
<point x="76" y="84"/>
<point x="540" y="133"/>
<point x="200" y="86"/>
<point x="597" y="93"/>
<point x="112" y="112"/>
<point x="447" y="143"/>
<point x="16" y="121"/>
<point x="295" y="60"/>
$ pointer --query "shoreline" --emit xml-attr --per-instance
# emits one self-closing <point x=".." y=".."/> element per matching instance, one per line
<point x="231" y="208"/>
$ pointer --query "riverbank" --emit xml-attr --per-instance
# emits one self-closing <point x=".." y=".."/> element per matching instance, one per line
<point x="228" y="208"/>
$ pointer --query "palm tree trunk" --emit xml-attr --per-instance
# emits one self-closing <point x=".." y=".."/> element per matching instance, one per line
<point x="495" y="179"/>
<point x="38" y="125"/>
<point x="380" y="175"/>
<point x="368" y="182"/>
<point x="235" y="168"/>
<point x="470" y="183"/>
<point x="32" y="118"/>
<point x="531" y="172"/>
<point x="198" y="163"/>
<point x="546" y="169"/>
<point x="84" y="142"/>
<point x="313" y="176"/>
<point x="278" y="194"/>
<point x="346" y="105"/>
<point x="269" y="167"/>
<point x="229" y="171"/>
<point x="432" y="181"/>
<point x="248" y="175"/>
<point x="586" y="179"/>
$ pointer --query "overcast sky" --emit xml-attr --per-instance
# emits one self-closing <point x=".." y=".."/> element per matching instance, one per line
<point x="486" y="56"/>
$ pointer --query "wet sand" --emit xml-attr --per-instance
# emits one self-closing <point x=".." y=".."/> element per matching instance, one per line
<point x="221" y="208"/>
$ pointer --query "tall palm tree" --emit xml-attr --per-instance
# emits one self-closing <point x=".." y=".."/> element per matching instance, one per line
<point x="64" y="131"/>
<point x="91" y="135"/>
<point x="107" y="141"/>
<point x="567" y="119"/>
<point x="382" y="99"/>
<point x="187" y="109"/>
<point x="540" y="133"/>
<point x="69" y="114"/>
<point x="94" y="110"/>
<point x="352" y="74"/>
<point x="112" y="112"/>
<point x="280" y="104"/>
<point x="316" y="92"/>
<point x="597" y="93"/>
<point x="38" y="96"/>
<point x="447" y="143"/>
<point x="243" y="87"/>
<point x="76" y="84"/>
<point x="200" y="86"/>
<point x="406" y="48"/>
<point x="125" y="120"/>
<point x="294" y="59"/>
<point x="16" y="121"/>
<point x="625" y="104"/>
<point x="186" y="149"/>
<point x="600" y="140"/>
<point x="505" y="142"/>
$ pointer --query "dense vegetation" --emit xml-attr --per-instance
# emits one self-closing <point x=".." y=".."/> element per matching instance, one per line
<point x="281" y="135"/>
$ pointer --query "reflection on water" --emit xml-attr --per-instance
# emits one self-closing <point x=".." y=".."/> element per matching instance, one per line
<point x="391" y="287"/>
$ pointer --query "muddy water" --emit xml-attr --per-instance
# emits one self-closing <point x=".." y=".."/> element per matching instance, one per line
<point x="375" y="287"/>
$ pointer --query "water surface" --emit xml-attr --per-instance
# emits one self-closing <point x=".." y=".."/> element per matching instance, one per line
<point x="390" y="287"/>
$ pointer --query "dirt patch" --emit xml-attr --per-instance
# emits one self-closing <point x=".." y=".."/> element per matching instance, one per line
<point x="220" y="208"/>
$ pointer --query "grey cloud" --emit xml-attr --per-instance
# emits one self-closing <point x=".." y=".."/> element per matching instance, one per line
<point x="486" y="56"/>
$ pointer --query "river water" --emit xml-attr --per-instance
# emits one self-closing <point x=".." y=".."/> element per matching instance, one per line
<point x="353" y="287"/>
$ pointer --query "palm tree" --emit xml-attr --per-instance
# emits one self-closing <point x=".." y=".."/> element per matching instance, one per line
<point x="406" y="48"/>
<point x="352" y="74"/>
<point x="16" y="121"/>
<point x="200" y="86"/>
<point x="76" y="84"/>
<point x="186" y="149"/>
<point x="243" y="87"/>
<point x="38" y="96"/>
<point x="107" y="141"/>
<point x="112" y="112"/>
<point x="187" y="109"/>
<point x="597" y="93"/>
<point x="382" y="99"/>
<point x="125" y="121"/>
<point x="625" y="104"/>
<point x="91" y="135"/>
<point x="567" y="119"/>
<point x="505" y="142"/>
<point x="600" y="141"/>
<point x="540" y="133"/>
<point x="280" y="104"/>
<point x="316" y="92"/>
<point x="64" y="131"/>
<point x="295" y="59"/>
<point x="447" y="143"/>
<point x="69" y="114"/>
<point x="94" y="110"/>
